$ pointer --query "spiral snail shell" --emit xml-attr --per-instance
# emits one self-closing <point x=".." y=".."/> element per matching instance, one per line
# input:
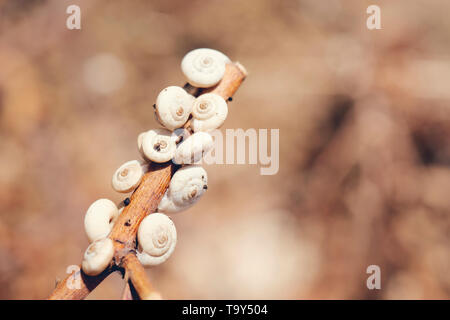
<point x="139" y="145"/>
<point x="158" y="145"/>
<point x="188" y="184"/>
<point x="128" y="176"/>
<point x="173" y="107"/>
<point x="193" y="148"/>
<point x="157" y="237"/>
<point x="97" y="256"/>
<point x="100" y="218"/>
<point x="204" y="67"/>
<point x="209" y="112"/>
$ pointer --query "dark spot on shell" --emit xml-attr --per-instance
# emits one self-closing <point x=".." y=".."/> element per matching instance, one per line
<point x="230" y="99"/>
<point x="128" y="223"/>
<point x="126" y="201"/>
<point x="205" y="187"/>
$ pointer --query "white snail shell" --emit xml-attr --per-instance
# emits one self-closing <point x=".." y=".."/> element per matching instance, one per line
<point x="204" y="67"/>
<point x="157" y="237"/>
<point x="139" y="145"/>
<point x="100" y="218"/>
<point x="128" y="176"/>
<point x="158" y="145"/>
<point x="193" y="148"/>
<point x="97" y="256"/>
<point x="180" y="134"/>
<point x="173" y="107"/>
<point x="209" y="112"/>
<point x="187" y="186"/>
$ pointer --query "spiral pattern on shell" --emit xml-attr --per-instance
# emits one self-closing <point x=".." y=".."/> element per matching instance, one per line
<point x="173" y="107"/>
<point x="128" y="176"/>
<point x="209" y="112"/>
<point x="100" y="218"/>
<point x="204" y="67"/>
<point x="192" y="149"/>
<point x="97" y="256"/>
<point x="157" y="238"/>
<point x="187" y="186"/>
<point x="158" y="145"/>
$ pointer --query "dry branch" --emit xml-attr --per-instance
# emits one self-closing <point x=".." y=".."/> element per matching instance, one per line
<point x="144" y="200"/>
<point x="138" y="277"/>
<point x="87" y="284"/>
<point x="126" y="293"/>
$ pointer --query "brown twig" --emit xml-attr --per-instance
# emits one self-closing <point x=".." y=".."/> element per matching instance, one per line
<point x="78" y="285"/>
<point x="126" y="293"/>
<point x="129" y="292"/>
<point x="143" y="201"/>
<point x="138" y="277"/>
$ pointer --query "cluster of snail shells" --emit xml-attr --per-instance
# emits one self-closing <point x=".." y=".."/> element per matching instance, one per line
<point x="174" y="107"/>
<point x="98" y="222"/>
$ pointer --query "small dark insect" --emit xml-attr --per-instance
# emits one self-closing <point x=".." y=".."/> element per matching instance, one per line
<point x="230" y="99"/>
<point x="126" y="201"/>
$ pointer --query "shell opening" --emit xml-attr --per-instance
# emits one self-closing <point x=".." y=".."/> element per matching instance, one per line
<point x="206" y="61"/>
<point x="124" y="172"/>
<point x="160" y="145"/>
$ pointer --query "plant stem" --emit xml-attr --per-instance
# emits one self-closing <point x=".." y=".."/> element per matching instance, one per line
<point x="143" y="201"/>
<point x="78" y="285"/>
<point x="138" y="277"/>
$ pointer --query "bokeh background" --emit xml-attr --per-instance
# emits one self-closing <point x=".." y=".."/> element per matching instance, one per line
<point x="364" y="125"/>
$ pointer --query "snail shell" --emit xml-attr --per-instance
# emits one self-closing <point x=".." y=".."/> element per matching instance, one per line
<point x="173" y="107"/>
<point x="209" y="112"/>
<point x="180" y="134"/>
<point x="139" y="145"/>
<point x="157" y="237"/>
<point x="97" y="256"/>
<point x="187" y="186"/>
<point x="193" y="148"/>
<point x="158" y="145"/>
<point x="204" y="67"/>
<point x="100" y="218"/>
<point x="128" y="176"/>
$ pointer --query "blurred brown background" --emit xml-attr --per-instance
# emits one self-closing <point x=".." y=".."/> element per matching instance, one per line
<point x="364" y="125"/>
